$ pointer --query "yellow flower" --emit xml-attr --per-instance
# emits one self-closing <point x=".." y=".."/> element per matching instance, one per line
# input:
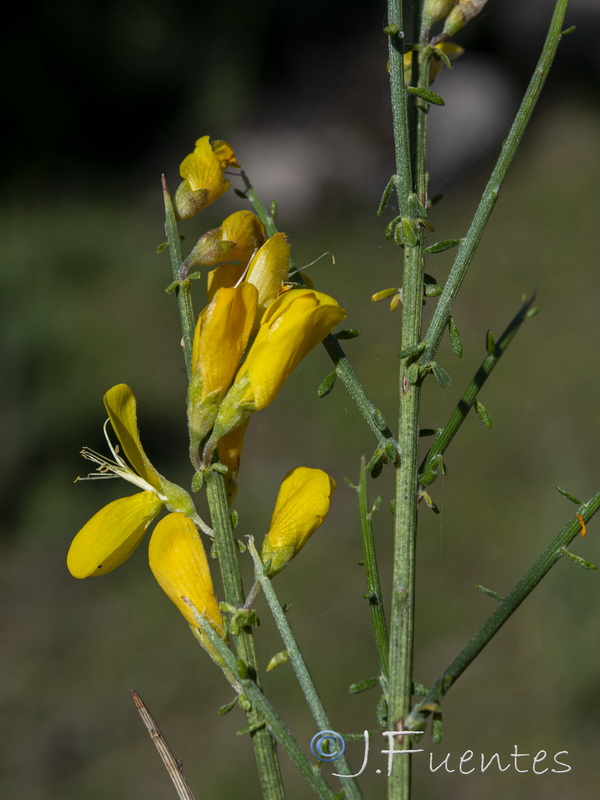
<point x="203" y="179"/>
<point x="179" y="564"/>
<point x="302" y="505"/>
<point x="291" y="326"/>
<point x="220" y="339"/>
<point x="111" y="535"/>
<point x="236" y="239"/>
<point x="268" y="269"/>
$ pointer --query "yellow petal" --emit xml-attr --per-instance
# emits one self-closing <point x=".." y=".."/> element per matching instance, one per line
<point x="225" y="276"/>
<point x="221" y="337"/>
<point x="111" y="536"/>
<point x="291" y="326"/>
<point x="121" y="407"/>
<point x="180" y="566"/>
<point x="302" y="505"/>
<point x="268" y="269"/>
<point x="247" y="231"/>
<point x="202" y="172"/>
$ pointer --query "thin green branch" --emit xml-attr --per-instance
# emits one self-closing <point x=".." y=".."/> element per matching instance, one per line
<point x="469" y="244"/>
<point x="262" y="742"/>
<point x="429" y="465"/>
<point x="405" y="514"/>
<point x="343" y="368"/>
<point x="374" y="594"/>
<point x="184" y="289"/>
<point x="551" y="556"/>
<point x="249" y="688"/>
<point x="309" y="689"/>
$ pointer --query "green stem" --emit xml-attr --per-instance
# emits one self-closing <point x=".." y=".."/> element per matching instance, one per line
<point x="507" y="607"/>
<point x="405" y="516"/>
<point x="429" y="465"/>
<point x="343" y="368"/>
<point x="250" y="689"/>
<point x="374" y="593"/>
<point x="469" y="244"/>
<point x="184" y="289"/>
<point x="262" y="741"/>
<point x="309" y="689"/>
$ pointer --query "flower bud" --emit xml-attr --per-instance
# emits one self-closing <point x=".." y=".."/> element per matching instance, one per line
<point x="302" y="505"/>
<point x="202" y="173"/>
<point x="268" y="269"/>
<point x="464" y="11"/>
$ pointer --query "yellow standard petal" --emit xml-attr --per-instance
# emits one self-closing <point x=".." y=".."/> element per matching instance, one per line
<point x="111" y="535"/>
<point x="203" y="180"/>
<point x="302" y="505"/>
<point x="121" y="406"/>
<point x="268" y="269"/>
<point x="180" y="566"/>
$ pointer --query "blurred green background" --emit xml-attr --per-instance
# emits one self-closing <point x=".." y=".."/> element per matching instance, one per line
<point x="99" y="99"/>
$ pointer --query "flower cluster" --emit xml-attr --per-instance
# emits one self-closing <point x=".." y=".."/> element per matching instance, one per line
<point x="248" y="339"/>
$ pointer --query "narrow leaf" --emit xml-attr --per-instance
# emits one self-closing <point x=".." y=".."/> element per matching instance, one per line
<point x="569" y="496"/>
<point x="327" y="384"/>
<point x="426" y="94"/>
<point x="455" y="339"/>
<point x="162" y="247"/>
<point x="439" y="247"/>
<point x="483" y="415"/>
<point x="581" y="562"/>
<point x="385" y="196"/>
<point x="490" y="343"/>
<point x="441" y="375"/>
<point x="413" y="350"/>
<point x="490" y="593"/>
<point x="347" y="333"/>
<point x="362" y="686"/>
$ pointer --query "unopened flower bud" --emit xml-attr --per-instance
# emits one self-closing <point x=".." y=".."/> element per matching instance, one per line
<point x="464" y="11"/>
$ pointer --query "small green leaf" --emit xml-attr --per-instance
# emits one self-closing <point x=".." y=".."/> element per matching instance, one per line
<point x="433" y="201"/>
<point x="376" y="505"/>
<point x="390" y="228"/>
<point x="532" y="312"/>
<point x="413" y="373"/>
<point x="240" y="193"/>
<point x="286" y="607"/>
<point x="162" y="246"/>
<point x="567" y="31"/>
<point x="244" y="703"/>
<point x="483" y="415"/>
<point x="428" y="431"/>
<point x="391" y="451"/>
<point x="197" y="481"/>
<point x="385" y="196"/>
<point x="376" y="469"/>
<point x="255" y="726"/>
<point x="569" y="496"/>
<point x="278" y="659"/>
<point x="426" y="94"/>
<point x="273" y="209"/>
<point x="581" y="562"/>
<point x="379" y="420"/>
<point x="227" y="707"/>
<point x="234" y="519"/>
<point x="327" y="384"/>
<point x="490" y="593"/>
<point x="173" y="287"/>
<point x="409" y="232"/>
<point x="347" y="333"/>
<point x="412" y="351"/>
<point x="437" y="52"/>
<point x="433" y="289"/>
<point x="490" y="343"/>
<point x="441" y="375"/>
<point x="363" y="686"/>
<point x="455" y="340"/>
<point x="439" y="247"/>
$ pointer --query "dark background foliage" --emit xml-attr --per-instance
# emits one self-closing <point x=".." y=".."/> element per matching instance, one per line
<point x="98" y="100"/>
